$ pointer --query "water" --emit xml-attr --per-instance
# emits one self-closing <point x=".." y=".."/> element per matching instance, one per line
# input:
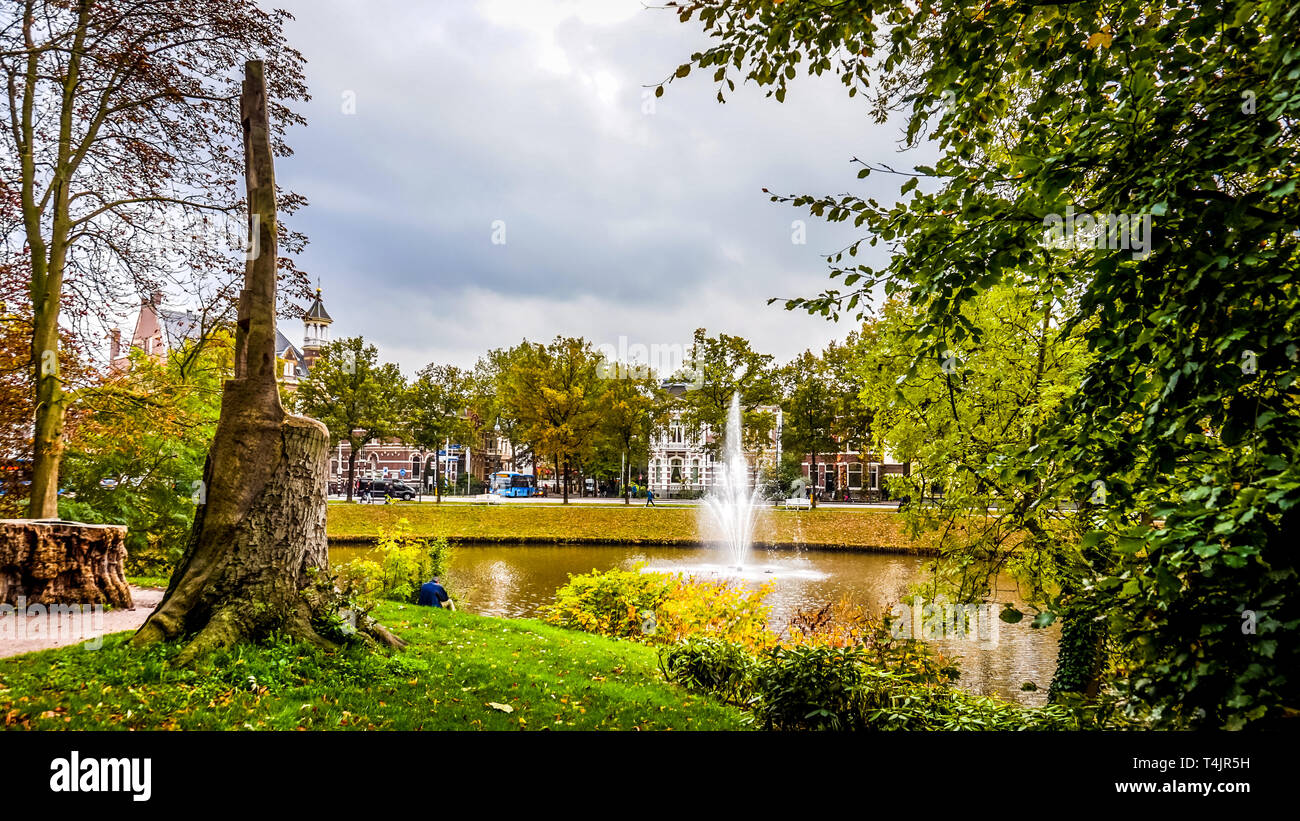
<point x="515" y="581"/>
<point x="731" y="508"/>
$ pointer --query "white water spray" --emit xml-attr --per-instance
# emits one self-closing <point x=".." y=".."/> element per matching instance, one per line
<point x="732" y="503"/>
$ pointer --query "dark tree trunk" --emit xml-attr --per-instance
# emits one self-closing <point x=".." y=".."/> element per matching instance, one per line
<point x="54" y="562"/>
<point x="812" y="476"/>
<point x="437" y="478"/>
<point x="257" y="548"/>
<point x="566" y="480"/>
<point x="352" y="469"/>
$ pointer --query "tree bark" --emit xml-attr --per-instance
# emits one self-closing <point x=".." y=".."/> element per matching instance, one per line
<point x="55" y="562"/>
<point x="812" y="475"/>
<point x="352" y="469"/>
<point x="257" y="548"/>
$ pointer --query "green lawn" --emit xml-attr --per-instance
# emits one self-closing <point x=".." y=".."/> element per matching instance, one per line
<point x="864" y="529"/>
<point x="455" y="665"/>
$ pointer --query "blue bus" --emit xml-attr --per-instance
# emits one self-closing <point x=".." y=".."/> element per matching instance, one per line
<point x="514" y="484"/>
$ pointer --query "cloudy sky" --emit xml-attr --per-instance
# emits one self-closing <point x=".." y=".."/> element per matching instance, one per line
<point x="434" y="125"/>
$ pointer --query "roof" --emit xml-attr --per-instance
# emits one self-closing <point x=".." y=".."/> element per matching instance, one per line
<point x="283" y="347"/>
<point x="179" y="327"/>
<point x="317" y="310"/>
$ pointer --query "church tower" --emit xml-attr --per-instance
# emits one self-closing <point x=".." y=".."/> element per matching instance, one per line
<point x="316" y="331"/>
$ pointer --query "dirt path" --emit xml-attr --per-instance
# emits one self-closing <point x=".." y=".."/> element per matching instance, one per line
<point x="41" y="630"/>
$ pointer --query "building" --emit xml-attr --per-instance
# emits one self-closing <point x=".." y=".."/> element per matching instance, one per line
<point x="852" y="475"/>
<point x="680" y="460"/>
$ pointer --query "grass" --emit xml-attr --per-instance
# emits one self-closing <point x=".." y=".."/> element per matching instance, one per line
<point x="147" y="581"/>
<point x="827" y="528"/>
<point x="456" y="664"/>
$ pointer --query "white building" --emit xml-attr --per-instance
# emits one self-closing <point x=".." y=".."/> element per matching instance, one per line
<point x="680" y="461"/>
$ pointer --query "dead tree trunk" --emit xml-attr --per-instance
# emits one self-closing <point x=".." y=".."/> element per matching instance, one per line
<point x="55" y="562"/>
<point x="258" y="542"/>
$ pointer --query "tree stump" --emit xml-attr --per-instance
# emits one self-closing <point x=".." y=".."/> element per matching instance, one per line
<point x="50" y="561"/>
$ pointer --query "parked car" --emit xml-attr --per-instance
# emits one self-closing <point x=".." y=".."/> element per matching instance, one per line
<point x="385" y="488"/>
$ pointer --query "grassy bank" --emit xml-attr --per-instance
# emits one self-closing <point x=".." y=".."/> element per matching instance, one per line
<point x="455" y="665"/>
<point x="834" y="528"/>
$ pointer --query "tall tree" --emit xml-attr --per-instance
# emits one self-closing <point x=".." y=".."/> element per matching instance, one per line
<point x="435" y="412"/>
<point x="719" y="367"/>
<point x="121" y="120"/>
<point x="358" y="398"/>
<point x="1167" y="129"/>
<point x="554" y="389"/>
<point x="253" y="563"/>
<point x="811" y="401"/>
<point x="632" y="408"/>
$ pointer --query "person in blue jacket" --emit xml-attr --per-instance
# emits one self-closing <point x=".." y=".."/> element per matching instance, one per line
<point x="433" y="594"/>
<point x="649" y="498"/>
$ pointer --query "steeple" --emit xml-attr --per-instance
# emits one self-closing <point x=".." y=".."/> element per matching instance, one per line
<point x="316" y="330"/>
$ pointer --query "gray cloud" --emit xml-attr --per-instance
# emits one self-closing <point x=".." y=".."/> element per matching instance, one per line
<point x="618" y="221"/>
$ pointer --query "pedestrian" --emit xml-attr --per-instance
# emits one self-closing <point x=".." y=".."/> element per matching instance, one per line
<point x="649" y="498"/>
<point x="433" y="594"/>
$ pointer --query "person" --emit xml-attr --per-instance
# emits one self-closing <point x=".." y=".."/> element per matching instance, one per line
<point x="433" y="594"/>
<point x="649" y="498"/>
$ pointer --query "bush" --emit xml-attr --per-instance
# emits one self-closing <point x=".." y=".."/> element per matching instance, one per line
<point x="710" y="665"/>
<point x="658" y="608"/>
<point x="845" y="624"/>
<point x="811" y="687"/>
<point x="398" y="566"/>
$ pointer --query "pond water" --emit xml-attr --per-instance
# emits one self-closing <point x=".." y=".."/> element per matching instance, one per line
<point x="517" y="580"/>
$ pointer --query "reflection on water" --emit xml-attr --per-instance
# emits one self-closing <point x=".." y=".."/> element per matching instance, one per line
<point x="517" y="580"/>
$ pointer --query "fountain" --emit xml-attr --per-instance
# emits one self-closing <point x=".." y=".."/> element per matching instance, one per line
<point x="730" y="514"/>
<point x="732" y="503"/>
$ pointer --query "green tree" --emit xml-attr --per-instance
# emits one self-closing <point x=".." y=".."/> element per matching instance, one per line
<point x="135" y="455"/>
<point x="632" y="408"/>
<point x="719" y="367"/>
<point x="1169" y="127"/>
<point x="811" y="400"/>
<point x="435" y="411"/>
<point x="357" y="398"/>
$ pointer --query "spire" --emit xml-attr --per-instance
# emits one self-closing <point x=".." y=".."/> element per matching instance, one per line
<point x="317" y="310"/>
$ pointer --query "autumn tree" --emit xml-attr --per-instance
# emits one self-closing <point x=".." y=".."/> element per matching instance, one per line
<point x="136" y="452"/>
<point x="553" y="389"/>
<point x="122" y="149"/>
<point x="358" y="398"/>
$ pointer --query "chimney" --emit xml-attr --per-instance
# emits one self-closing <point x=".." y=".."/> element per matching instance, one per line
<point x="115" y="345"/>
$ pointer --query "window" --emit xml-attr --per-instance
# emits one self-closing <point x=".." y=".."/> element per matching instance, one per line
<point x="855" y="475"/>
<point x="695" y="471"/>
<point x="415" y="467"/>
<point x="675" y="471"/>
<point x="875" y="477"/>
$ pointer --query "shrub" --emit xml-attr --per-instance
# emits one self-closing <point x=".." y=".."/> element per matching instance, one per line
<point x="845" y="624"/>
<point x="399" y="564"/>
<point x="659" y="608"/>
<point x="811" y="687"/>
<point x="711" y="665"/>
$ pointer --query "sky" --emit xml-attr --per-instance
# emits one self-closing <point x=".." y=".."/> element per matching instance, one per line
<point x="481" y="171"/>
